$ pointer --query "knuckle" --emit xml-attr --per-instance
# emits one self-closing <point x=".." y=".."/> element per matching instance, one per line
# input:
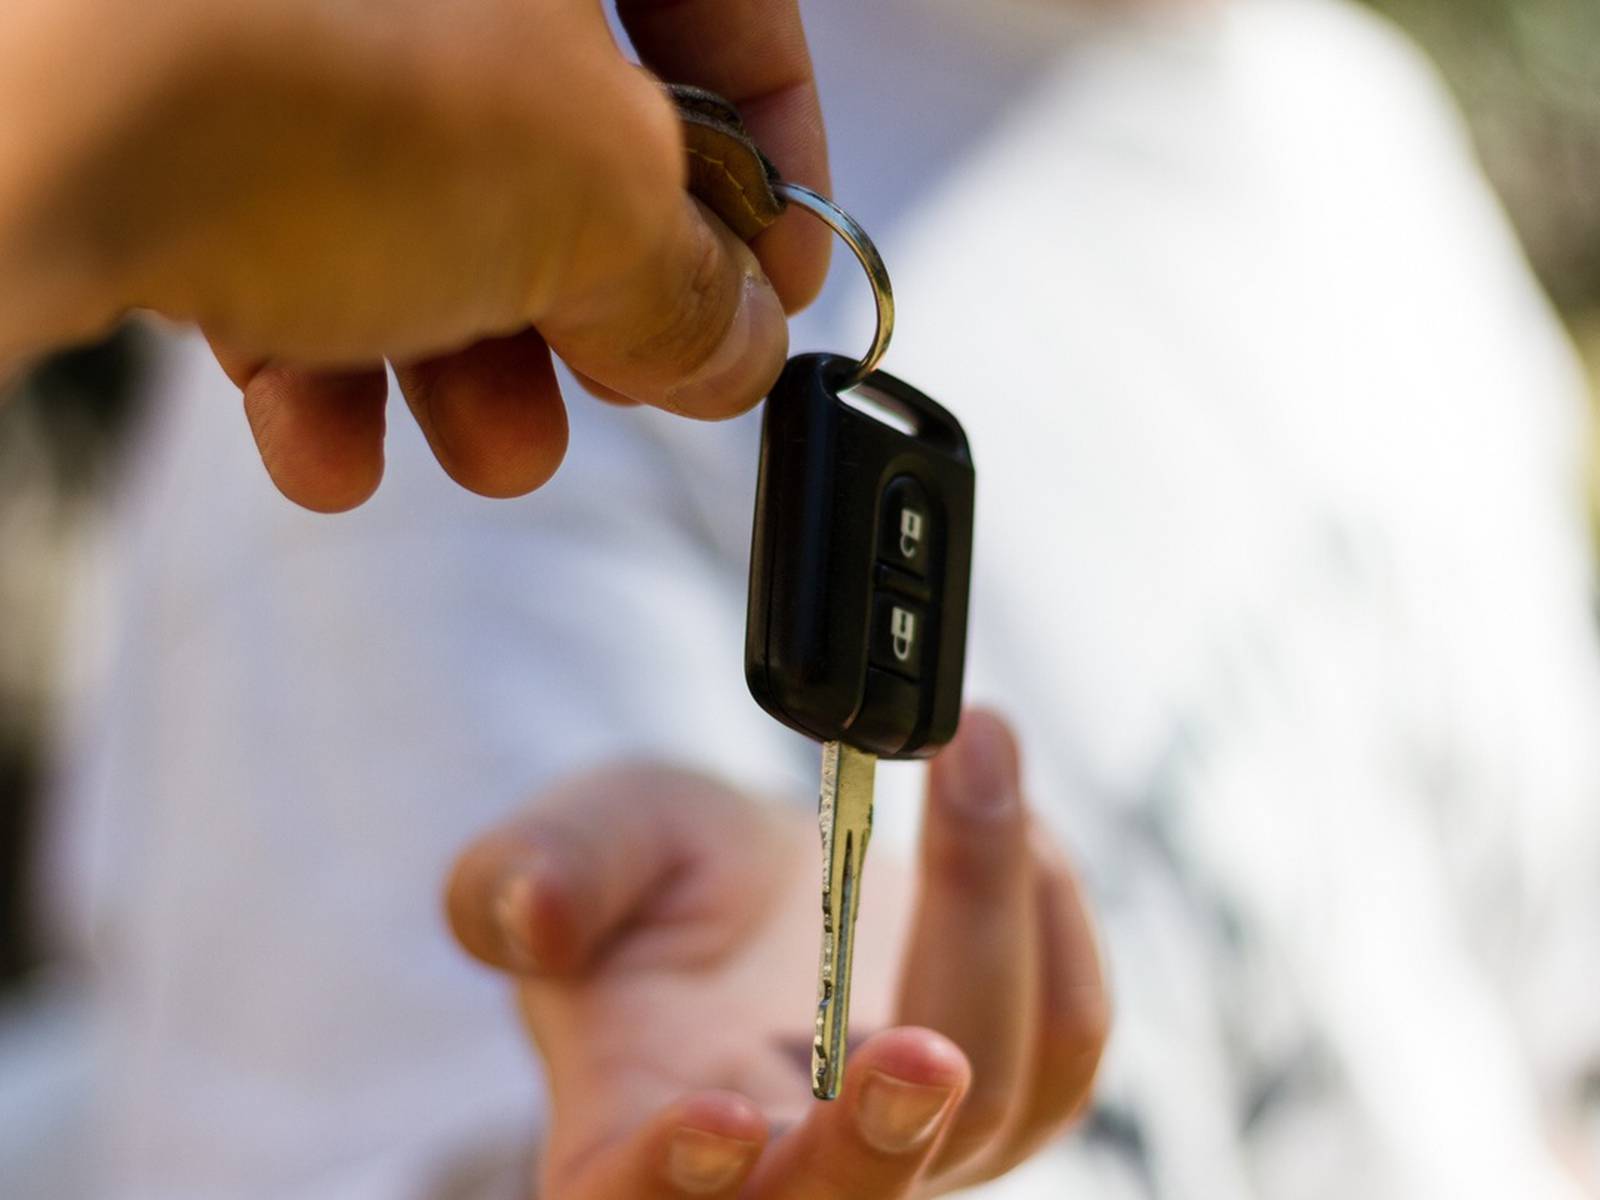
<point x="698" y="284"/>
<point x="654" y="144"/>
<point x="643" y="158"/>
<point x="615" y="214"/>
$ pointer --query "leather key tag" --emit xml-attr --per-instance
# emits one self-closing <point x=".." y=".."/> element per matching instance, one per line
<point x="727" y="171"/>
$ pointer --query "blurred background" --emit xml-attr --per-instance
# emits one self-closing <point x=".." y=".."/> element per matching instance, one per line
<point x="1525" y="73"/>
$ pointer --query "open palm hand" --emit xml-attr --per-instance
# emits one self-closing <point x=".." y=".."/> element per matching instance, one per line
<point x="663" y="931"/>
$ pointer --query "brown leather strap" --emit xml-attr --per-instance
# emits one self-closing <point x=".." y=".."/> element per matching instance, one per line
<point x="727" y="171"/>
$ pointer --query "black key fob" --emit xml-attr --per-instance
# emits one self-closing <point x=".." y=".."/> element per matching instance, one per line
<point x="861" y="561"/>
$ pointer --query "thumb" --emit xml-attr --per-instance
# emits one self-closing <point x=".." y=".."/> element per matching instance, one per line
<point x="693" y="326"/>
<point x="661" y="301"/>
<point x="546" y="893"/>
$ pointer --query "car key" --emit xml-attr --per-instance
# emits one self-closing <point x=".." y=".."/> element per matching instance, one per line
<point x="861" y="554"/>
<point x="859" y="571"/>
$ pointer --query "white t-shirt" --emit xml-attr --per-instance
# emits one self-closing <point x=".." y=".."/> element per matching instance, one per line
<point x="1280" y="568"/>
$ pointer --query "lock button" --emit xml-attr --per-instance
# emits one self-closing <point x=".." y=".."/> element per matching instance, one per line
<point x="905" y="535"/>
<point x="899" y="628"/>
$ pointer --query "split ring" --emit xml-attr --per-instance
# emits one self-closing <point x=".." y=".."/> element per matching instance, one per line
<point x="871" y="261"/>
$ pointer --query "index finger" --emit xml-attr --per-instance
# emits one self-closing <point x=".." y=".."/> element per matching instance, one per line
<point x="754" y="54"/>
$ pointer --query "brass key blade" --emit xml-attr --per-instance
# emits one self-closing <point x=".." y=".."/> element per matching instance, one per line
<point x="845" y="815"/>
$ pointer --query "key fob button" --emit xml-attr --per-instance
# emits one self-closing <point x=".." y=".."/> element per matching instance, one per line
<point x="899" y="629"/>
<point x="905" y="537"/>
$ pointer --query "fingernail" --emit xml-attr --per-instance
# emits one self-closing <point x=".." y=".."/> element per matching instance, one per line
<point x="983" y="777"/>
<point x="745" y="362"/>
<point x="513" y="913"/>
<point x="702" y="1163"/>
<point x="897" y="1117"/>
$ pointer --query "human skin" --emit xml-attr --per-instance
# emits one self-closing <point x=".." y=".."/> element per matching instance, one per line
<point x="662" y="929"/>
<point x="457" y="189"/>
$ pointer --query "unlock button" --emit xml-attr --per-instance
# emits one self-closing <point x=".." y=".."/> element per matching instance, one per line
<point x="905" y="536"/>
<point x="898" y="630"/>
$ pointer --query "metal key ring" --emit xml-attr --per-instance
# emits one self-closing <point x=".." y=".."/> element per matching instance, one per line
<point x="871" y="261"/>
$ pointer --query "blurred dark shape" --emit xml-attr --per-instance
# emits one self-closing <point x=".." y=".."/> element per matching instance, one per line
<point x="1527" y="75"/>
<point x="85" y="399"/>
<point x="18" y="951"/>
<point x="61" y="426"/>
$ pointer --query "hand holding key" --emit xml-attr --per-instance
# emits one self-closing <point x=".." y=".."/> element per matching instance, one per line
<point x="662" y="929"/>
<point x="461" y="189"/>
